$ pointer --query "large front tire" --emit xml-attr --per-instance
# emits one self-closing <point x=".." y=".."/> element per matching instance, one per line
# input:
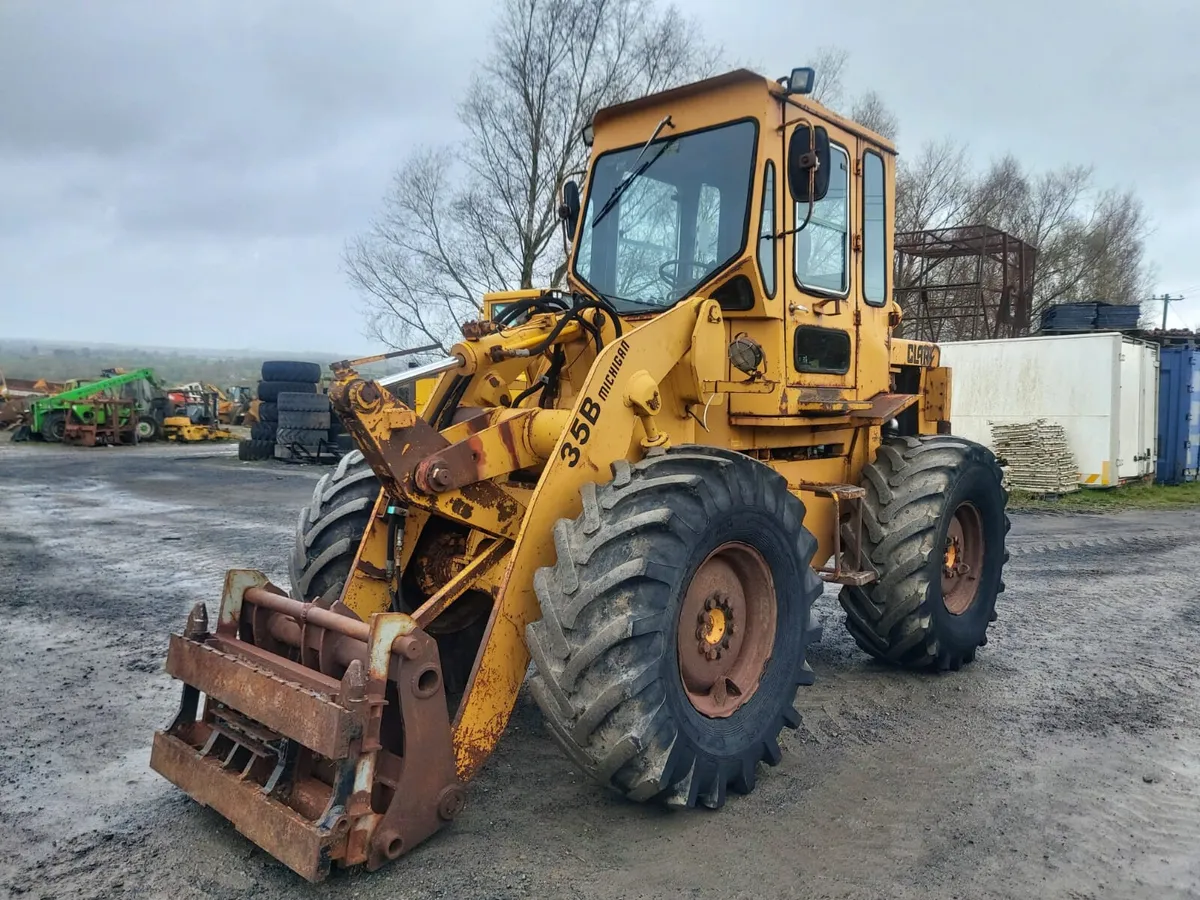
<point x="331" y="527"/>
<point x="675" y="625"/>
<point x="934" y="523"/>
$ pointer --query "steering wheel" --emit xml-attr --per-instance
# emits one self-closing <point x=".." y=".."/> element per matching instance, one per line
<point x="671" y="280"/>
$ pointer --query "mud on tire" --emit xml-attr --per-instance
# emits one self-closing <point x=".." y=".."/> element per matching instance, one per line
<point x="608" y="650"/>
<point x="913" y="489"/>
<point x="331" y="526"/>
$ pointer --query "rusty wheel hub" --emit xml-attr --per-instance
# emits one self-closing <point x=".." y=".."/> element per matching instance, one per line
<point x="726" y="629"/>
<point x="962" y="559"/>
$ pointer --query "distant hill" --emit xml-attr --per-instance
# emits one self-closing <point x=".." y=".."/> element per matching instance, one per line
<point x="60" y="360"/>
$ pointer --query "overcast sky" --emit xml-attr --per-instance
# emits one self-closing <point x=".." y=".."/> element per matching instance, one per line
<point x="186" y="173"/>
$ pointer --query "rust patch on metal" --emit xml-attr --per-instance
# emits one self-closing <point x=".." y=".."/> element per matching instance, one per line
<point x="508" y="439"/>
<point x="962" y="559"/>
<point x="819" y="395"/>
<point x="300" y="755"/>
<point x="371" y="570"/>
<point x="885" y="407"/>
<point x="461" y="508"/>
<point x="473" y="331"/>
<point x="439" y="555"/>
<point x="850" y="564"/>
<point x="478" y="453"/>
<point x="726" y="629"/>
<point x="450" y="589"/>
<point x="490" y="496"/>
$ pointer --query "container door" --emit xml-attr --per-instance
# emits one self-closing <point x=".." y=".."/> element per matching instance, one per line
<point x="1171" y="413"/>
<point x="1130" y="417"/>
<point x="1149" y="411"/>
<point x="1191" y="465"/>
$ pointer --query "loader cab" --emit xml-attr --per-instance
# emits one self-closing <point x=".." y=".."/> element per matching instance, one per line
<point x="748" y="191"/>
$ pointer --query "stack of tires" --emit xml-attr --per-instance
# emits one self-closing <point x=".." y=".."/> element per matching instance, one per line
<point x="281" y="381"/>
<point x="304" y="423"/>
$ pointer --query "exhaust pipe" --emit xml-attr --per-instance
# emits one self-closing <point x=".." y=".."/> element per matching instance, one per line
<point x="411" y="375"/>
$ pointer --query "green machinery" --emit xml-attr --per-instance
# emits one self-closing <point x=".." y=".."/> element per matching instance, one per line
<point x="50" y="416"/>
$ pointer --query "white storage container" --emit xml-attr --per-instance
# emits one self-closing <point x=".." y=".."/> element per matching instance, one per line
<point x="1102" y="388"/>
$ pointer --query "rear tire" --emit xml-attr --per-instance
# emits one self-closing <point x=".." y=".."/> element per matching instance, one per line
<point x="331" y="527"/>
<point x="54" y="425"/>
<point x="923" y="612"/>
<point x="614" y="677"/>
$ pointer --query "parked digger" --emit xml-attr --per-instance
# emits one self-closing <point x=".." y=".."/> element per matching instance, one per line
<point x="639" y="483"/>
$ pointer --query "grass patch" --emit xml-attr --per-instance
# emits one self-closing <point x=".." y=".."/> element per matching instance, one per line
<point x="1130" y="496"/>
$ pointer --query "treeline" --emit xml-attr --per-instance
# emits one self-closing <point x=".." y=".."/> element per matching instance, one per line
<point x="1090" y="237"/>
<point x="479" y="213"/>
<point x="60" y="364"/>
<point x="33" y="361"/>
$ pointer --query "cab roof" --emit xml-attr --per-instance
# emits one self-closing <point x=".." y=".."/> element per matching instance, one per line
<point x="729" y="79"/>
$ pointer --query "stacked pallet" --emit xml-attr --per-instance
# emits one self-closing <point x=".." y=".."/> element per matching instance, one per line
<point x="1072" y="318"/>
<point x="1036" y="457"/>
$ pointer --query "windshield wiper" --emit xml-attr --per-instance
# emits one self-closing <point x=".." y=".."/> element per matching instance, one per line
<point x="624" y="184"/>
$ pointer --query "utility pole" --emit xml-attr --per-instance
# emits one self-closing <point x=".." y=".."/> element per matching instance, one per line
<point x="1166" y="300"/>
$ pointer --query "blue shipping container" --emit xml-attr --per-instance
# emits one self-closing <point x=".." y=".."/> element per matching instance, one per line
<point x="1178" y="415"/>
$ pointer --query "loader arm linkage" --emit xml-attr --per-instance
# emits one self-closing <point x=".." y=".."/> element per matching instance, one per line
<point x="326" y="734"/>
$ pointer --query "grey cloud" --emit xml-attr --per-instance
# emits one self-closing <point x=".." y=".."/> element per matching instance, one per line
<point x="157" y="156"/>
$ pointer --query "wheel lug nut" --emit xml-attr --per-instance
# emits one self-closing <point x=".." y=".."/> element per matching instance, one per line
<point x="725" y="643"/>
<point x="708" y="603"/>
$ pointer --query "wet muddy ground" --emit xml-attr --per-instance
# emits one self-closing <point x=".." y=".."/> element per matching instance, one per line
<point x="1064" y="763"/>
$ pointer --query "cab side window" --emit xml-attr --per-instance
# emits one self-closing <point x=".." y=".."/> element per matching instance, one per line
<point x="874" y="231"/>
<point x="822" y="249"/>
<point x="766" y="232"/>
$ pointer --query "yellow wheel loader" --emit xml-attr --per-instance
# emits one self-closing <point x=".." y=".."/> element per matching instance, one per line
<point x="638" y="483"/>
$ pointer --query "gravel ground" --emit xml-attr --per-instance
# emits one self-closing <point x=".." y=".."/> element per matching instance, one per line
<point x="1064" y="763"/>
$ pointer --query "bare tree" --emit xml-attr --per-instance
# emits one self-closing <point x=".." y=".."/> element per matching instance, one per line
<point x="933" y="188"/>
<point x="871" y="111"/>
<point x="830" y="65"/>
<point x="481" y="216"/>
<point x="1090" y="242"/>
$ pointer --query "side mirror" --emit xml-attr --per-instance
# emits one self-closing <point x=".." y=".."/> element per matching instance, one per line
<point x="568" y="210"/>
<point x="808" y="164"/>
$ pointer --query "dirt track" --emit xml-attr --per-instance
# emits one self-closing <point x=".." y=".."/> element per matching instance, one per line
<point x="1064" y="763"/>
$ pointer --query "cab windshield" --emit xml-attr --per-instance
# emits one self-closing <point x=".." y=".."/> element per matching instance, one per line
<point x="680" y="215"/>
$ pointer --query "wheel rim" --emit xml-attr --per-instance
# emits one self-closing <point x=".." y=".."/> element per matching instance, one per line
<point x="726" y="629"/>
<point x="145" y="428"/>
<point x="962" y="559"/>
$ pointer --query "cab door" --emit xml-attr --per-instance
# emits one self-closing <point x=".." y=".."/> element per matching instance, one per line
<point x="875" y="180"/>
<point x="819" y="286"/>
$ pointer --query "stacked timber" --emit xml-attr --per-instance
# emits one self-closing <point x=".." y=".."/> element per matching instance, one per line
<point x="1036" y="457"/>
